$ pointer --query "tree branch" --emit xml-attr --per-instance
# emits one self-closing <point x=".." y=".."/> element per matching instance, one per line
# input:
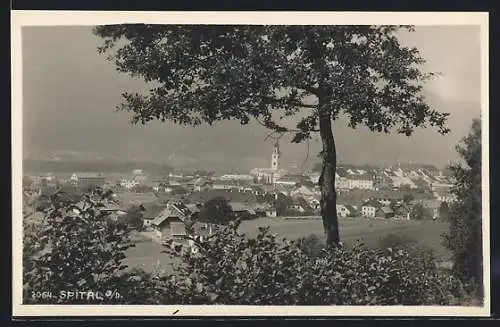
<point x="274" y="100"/>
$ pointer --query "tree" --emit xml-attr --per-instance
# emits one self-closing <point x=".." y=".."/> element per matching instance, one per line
<point x="208" y="73"/>
<point x="408" y="197"/>
<point x="134" y="217"/>
<point x="419" y="212"/>
<point x="216" y="211"/>
<point x="444" y="211"/>
<point x="283" y="204"/>
<point x="464" y="238"/>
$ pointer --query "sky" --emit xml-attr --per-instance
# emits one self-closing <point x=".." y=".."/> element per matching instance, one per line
<point x="70" y="93"/>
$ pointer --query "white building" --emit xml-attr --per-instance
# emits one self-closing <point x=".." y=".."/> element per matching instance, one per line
<point x="369" y="209"/>
<point x="236" y="177"/>
<point x="358" y="179"/>
<point x="128" y="183"/>
<point x="273" y="174"/>
<point x="399" y="181"/>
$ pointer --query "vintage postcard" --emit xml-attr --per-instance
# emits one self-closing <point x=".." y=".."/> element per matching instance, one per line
<point x="250" y="164"/>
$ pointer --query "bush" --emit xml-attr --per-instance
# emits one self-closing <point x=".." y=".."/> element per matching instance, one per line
<point x="84" y="251"/>
<point x="232" y="269"/>
<point x="312" y="245"/>
<point x="74" y="247"/>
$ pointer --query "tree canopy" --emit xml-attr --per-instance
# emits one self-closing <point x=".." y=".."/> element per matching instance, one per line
<point x="464" y="238"/>
<point x="208" y="73"/>
<point x="368" y="74"/>
<point x="216" y="211"/>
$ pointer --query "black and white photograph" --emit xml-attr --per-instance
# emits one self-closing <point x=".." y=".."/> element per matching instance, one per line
<point x="250" y="164"/>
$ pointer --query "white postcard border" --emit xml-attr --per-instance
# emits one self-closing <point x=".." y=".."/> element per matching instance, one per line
<point x="57" y="18"/>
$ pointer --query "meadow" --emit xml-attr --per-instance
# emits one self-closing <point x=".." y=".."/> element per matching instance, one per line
<point x="148" y="254"/>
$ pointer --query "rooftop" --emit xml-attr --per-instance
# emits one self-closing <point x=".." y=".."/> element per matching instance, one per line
<point x="234" y="196"/>
<point x="172" y="211"/>
<point x="136" y="198"/>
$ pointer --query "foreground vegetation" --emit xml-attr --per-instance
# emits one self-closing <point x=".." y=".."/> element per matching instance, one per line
<point x="77" y="247"/>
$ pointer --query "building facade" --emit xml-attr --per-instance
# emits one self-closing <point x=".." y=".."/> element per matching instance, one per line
<point x="88" y="179"/>
<point x="273" y="174"/>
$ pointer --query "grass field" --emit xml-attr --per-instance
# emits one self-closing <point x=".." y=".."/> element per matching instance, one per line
<point x="148" y="254"/>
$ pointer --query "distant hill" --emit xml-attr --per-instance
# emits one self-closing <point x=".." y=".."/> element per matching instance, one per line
<point x="37" y="166"/>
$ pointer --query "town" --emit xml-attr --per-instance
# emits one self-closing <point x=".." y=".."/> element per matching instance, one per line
<point x="399" y="192"/>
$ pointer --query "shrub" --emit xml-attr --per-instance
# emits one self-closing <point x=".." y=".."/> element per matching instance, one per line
<point x="312" y="245"/>
<point x="76" y="248"/>
<point x="232" y="269"/>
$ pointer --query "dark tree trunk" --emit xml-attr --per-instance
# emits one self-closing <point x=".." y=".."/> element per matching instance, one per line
<point x="327" y="181"/>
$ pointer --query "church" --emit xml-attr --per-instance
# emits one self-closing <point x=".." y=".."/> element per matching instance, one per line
<point x="272" y="174"/>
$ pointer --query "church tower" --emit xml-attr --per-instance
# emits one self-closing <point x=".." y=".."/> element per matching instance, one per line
<point x="275" y="158"/>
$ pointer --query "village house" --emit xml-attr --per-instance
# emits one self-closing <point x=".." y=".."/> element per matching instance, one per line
<point x="387" y="197"/>
<point x="438" y="186"/>
<point x="170" y="222"/>
<point x="314" y="202"/>
<point x="257" y="190"/>
<point x="46" y="179"/>
<point x="291" y="180"/>
<point x="202" y="184"/>
<point x="444" y="197"/>
<point x="345" y="210"/>
<point x="88" y="179"/>
<point x="241" y="210"/>
<point x="314" y="178"/>
<point x="369" y="208"/>
<point x="139" y="176"/>
<point x="400" y="181"/>
<point x="164" y="198"/>
<point x="202" y="197"/>
<point x="200" y="232"/>
<point x="402" y="212"/>
<point x="243" y="203"/>
<point x="236" y="177"/>
<point x="128" y="184"/>
<point x="303" y="191"/>
<point x="350" y="178"/>
<point x="108" y="209"/>
<point x="432" y="205"/>
<point x="194" y="209"/>
<point x="341" y="183"/>
<point x="149" y="212"/>
<point x="113" y="209"/>
<point x="384" y="212"/>
<point x="174" y="183"/>
<point x="239" y="185"/>
<point x="301" y="205"/>
<point x="264" y="210"/>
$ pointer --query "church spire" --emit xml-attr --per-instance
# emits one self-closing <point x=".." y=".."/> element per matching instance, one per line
<point x="276" y="148"/>
<point x="275" y="156"/>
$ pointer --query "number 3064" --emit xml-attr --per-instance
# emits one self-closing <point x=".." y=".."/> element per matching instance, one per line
<point x="41" y="295"/>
